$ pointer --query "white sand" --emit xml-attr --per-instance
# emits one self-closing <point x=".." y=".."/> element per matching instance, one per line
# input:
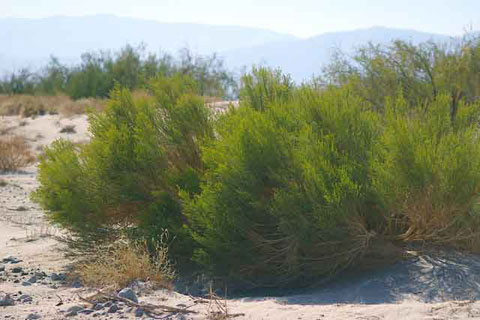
<point x="25" y="234"/>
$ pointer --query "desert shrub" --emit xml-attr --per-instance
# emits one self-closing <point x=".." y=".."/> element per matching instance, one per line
<point x="15" y="153"/>
<point x="141" y="152"/>
<point x="419" y="72"/>
<point x="286" y="190"/>
<point x="426" y="171"/>
<point x="120" y="264"/>
<point x="264" y="86"/>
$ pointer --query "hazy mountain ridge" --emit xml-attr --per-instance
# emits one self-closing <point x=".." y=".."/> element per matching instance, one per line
<point x="304" y="57"/>
<point x="29" y="42"/>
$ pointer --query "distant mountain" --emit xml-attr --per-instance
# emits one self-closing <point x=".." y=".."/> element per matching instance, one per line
<point x="304" y="57"/>
<point x="29" y="42"/>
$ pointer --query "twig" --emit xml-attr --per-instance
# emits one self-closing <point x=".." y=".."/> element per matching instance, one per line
<point x="59" y="303"/>
<point x="147" y="307"/>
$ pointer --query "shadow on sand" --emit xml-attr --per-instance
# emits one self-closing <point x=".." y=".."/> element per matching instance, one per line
<point x="432" y="277"/>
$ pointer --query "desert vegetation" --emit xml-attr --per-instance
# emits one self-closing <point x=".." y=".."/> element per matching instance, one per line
<point x="15" y="153"/>
<point x="131" y="67"/>
<point x="37" y="105"/>
<point x="297" y="183"/>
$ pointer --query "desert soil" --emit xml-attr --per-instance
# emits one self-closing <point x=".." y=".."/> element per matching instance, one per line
<point x="442" y="286"/>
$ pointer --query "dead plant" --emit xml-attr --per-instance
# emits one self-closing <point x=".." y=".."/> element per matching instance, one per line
<point x="14" y="153"/>
<point x="31" y="106"/>
<point x="119" y="264"/>
<point x="218" y="308"/>
<point x="426" y="219"/>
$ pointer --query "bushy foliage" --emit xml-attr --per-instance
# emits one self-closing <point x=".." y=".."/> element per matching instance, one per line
<point x="297" y="182"/>
<point x="426" y="171"/>
<point x="285" y="194"/>
<point x="263" y="87"/>
<point x="99" y="72"/>
<point x="127" y="177"/>
<point x="420" y="72"/>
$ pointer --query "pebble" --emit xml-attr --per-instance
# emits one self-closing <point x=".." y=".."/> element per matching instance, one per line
<point x="139" y="313"/>
<point x="2" y="268"/>
<point x="25" y="298"/>
<point x="73" y="311"/>
<point x="10" y="259"/>
<point x="33" y="316"/>
<point x="86" y="311"/>
<point x="6" y="300"/>
<point x="98" y="306"/>
<point x="128" y="293"/>
<point x="17" y="270"/>
<point x="75" y="308"/>
<point x="77" y="284"/>
<point x="113" y="308"/>
<point x="58" y="277"/>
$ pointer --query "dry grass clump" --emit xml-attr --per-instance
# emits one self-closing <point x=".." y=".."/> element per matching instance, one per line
<point x="427" y="220"/>
<point x="30" y="106"/>
<point x="123" y="262"/>
<point x="14" y="153"/>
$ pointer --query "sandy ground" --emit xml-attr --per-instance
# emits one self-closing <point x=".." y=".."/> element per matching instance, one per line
<point x="443" y="286"/>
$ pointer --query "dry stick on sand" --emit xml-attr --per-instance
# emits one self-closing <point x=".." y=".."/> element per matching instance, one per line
<point x="150" y="308"/>
<point x="218" y="310"/>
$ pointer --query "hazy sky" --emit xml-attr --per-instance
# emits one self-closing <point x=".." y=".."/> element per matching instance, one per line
<point x="299" y="17"/>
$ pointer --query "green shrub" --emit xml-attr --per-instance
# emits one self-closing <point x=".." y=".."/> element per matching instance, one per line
<point x="286" y="188"/>
<point x="263" y="87"/>
<point x="127" y="178"/>
<point x="426" y="171"/>
<point x="296" y="184"/>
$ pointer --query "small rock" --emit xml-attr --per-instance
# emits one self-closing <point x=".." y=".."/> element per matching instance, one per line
<point x="98" y="306"/>
<point x="26" y="283"/>
<point x="128" y="293"/>
<point x="107" y="304"/>
<point x="33" y="316"/>
<point x="72" y="311"/>
<point x="77" y="284"/>
<point x="75" y="308"/>
<point x="54" y="277"/>
<point x="32" y="279"/>
<point x="25" y="298"/>
<point x="6" y="300"/>
<point x="139" y="313"/>
<point x="10" y="259"/>
<point x="113" y="308"/>
<point x="40" y="274"/>
<point x="58" y="277"/>
<point x="2" y="268"/>
<point x="86" y="311"/>
<point x="17" y="270"/>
